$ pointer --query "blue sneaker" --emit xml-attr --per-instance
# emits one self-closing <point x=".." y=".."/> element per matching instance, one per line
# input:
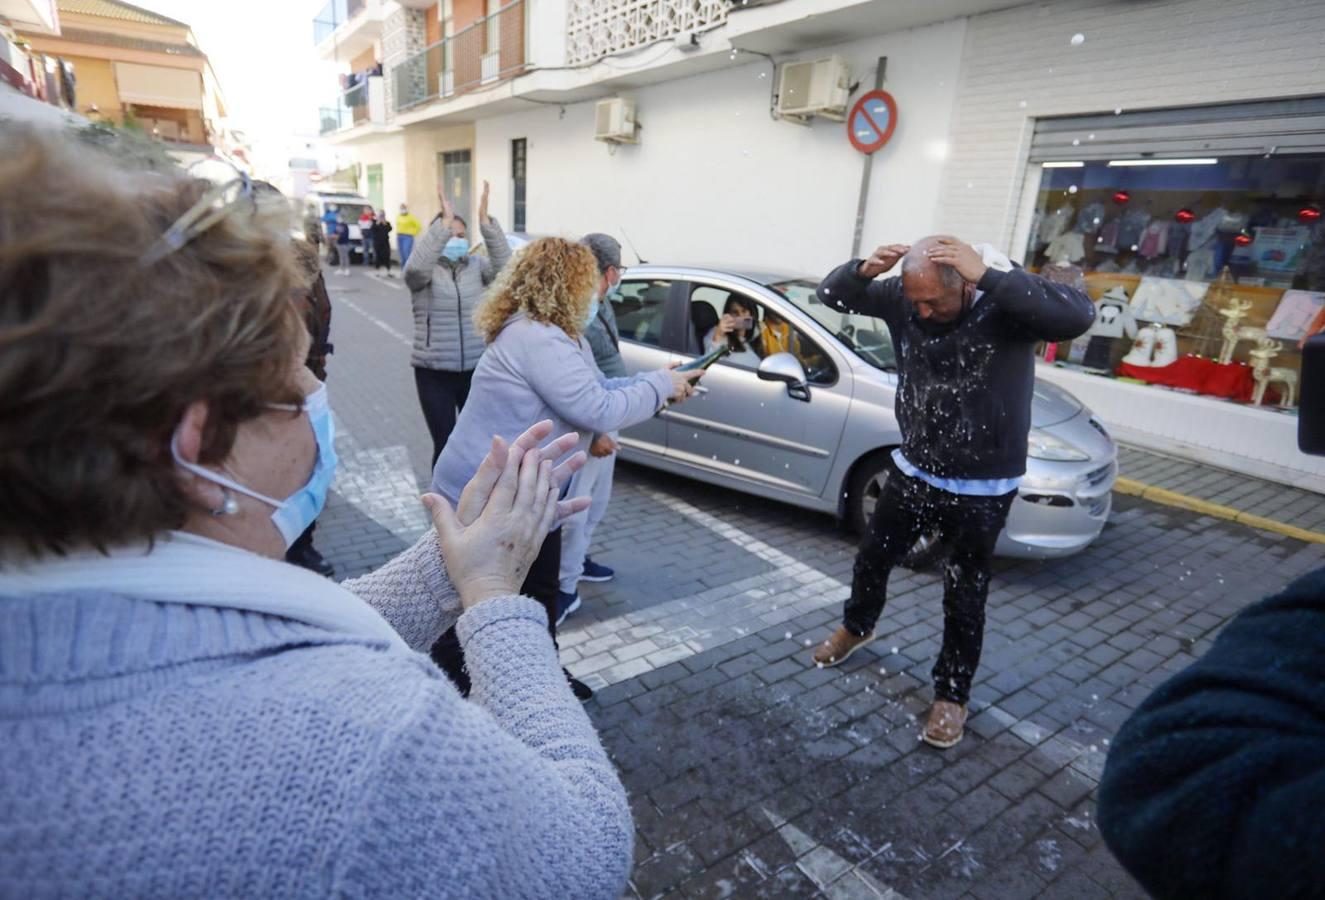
<point x="566" y="604"/>
<point x="596" y="572"/>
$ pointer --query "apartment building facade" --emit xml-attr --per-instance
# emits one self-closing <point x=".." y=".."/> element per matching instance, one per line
<point x="1012" y="119"/>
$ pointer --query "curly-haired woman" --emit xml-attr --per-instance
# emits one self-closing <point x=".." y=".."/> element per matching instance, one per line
<point x="538" y="365"/>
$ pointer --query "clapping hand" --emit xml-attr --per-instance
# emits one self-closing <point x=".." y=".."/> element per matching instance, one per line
<point x="483" y="217"/>
<point x="448" y="211"/>
<point x="505" y="512"/>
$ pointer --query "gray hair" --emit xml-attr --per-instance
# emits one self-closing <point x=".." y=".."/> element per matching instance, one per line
<point x="605" y="248"/>
<point x="948" y="276"/>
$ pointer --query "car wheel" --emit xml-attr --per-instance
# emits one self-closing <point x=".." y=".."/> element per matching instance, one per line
<point x="862" y="499"/>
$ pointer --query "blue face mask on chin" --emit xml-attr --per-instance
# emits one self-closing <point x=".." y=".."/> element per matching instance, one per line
<point x="295" y="513"/>
<point x="593" y="311"/>
<point x="456" y="249"/>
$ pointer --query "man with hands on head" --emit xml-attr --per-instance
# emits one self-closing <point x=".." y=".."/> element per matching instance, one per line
<point x="963" y="324"/>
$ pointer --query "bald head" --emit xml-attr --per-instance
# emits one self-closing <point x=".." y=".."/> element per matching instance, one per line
<point x="935" y="291"/>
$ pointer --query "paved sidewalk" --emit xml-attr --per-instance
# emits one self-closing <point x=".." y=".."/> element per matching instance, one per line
<point x="752" y="773"/>
<point x="1255" y="496"/>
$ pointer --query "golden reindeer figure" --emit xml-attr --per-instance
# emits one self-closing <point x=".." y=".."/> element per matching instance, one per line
<point x="1266" y="375"/>
<point x="1234" y="313"/>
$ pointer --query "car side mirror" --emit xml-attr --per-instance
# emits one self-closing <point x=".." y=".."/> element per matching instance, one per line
<point x="786" y="368"/>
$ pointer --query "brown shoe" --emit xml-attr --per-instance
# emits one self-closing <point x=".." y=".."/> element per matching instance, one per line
<point x="839" y="646"/>
<point x="944" y="728"/>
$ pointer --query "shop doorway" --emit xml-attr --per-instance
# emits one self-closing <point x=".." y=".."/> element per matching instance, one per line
<point x="455" y="169"/>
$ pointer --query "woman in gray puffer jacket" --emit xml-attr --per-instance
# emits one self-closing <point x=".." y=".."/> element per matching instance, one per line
<point x="446" y="283"/>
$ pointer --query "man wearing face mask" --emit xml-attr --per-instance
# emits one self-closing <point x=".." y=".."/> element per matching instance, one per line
<point x="595" y="479"/>
<point x="446" y="283"/>
<point x="963" y="324"/>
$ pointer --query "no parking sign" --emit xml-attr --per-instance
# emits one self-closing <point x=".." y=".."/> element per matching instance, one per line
<point x="872" y="121"/>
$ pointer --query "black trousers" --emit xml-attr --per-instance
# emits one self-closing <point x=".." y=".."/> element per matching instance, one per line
<point x="542" y="584"/>
<point x="442" y="395"/>
<point x="908" y="508"/>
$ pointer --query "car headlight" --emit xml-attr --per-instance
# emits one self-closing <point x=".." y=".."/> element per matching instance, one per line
<point x="1044" y="445"/>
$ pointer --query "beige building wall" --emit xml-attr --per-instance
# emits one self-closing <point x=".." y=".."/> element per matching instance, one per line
<point x="96" y="84"/>
<point x="422" y="145"/>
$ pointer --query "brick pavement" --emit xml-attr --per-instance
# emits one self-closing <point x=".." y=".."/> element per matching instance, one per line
<point x="1289" y="505"/>
<point x="751" y="773"/>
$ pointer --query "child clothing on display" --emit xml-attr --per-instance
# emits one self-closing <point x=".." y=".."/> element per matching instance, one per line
<point x="1201" y="263"/>
<point x="1114" y="317"/>
<point x="1108" y="240"/>
<point x="1294" y="314"/>
<point x="1090" y="218"/>
<point x="1154" y="240"/>
<point x="1068" y="246"/>
<point x="1053" y="224"/>
<point x="1168" y="300"/>
<point x="1061" y="273"/>
<point x="1132" y="224"/>
<point x="1203" y="229"/>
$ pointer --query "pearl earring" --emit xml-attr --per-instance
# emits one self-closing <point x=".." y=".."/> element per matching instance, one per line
<point x="228" y="506"/>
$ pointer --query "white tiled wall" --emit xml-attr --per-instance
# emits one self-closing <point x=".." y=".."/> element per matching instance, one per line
<point x="1137" y="54"/>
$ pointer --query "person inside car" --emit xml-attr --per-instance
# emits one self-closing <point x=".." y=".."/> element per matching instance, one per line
<point x="739" y="328"/>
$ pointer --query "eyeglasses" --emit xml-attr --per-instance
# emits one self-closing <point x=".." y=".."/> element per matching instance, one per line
<point x="213" y="207"/>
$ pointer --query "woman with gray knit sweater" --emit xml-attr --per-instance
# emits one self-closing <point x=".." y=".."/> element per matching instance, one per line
<point x="182" y="714"/>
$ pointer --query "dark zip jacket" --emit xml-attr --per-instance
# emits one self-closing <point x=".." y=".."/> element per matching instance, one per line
<point x="964" y="388"/>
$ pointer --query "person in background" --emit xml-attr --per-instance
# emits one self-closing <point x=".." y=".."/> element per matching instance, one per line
<point x="539" y="366"/>
<point x="314" y="305"/>
<point x="965" y="324"/>
<point x="180" y="712"/>
<point x="777" y="336"/>
<point x="381" y="235"/>
<point x="366" y="222"/>
<point x="595" y="479"/>
<point x="407" y="228"/>
<point x="446" y="284"/>
<point x="343" y="244"/>
<point x="330" y="220"/>
<point x="739" y="328"/>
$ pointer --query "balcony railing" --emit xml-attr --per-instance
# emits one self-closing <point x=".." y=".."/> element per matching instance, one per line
<point x="331" y="16"/>
<point x="490" y="50"/>
<point x="359" y="104"/>
<point x="598" y="28"/>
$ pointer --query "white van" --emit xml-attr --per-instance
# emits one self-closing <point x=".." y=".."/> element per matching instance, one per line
<point x="352" y="205"/>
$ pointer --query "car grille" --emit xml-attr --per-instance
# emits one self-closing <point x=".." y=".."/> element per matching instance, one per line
<point x="1099" y="476"/>
<point x="1098" y="507"/>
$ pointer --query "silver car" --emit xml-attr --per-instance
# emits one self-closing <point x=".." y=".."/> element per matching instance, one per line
<point x="814" y="426"/>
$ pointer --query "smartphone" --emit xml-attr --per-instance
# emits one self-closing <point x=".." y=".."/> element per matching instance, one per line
<point x="744" y="323"/>
<point x="706" y="360"/>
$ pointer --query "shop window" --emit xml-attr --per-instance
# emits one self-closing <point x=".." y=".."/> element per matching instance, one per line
<point x="1208" y="271"/>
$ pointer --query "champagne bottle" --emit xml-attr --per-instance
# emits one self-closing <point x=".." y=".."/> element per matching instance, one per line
<point x="707" y="359"/>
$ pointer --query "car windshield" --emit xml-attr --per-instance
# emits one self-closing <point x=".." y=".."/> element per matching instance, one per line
<point x="866" y="336"/>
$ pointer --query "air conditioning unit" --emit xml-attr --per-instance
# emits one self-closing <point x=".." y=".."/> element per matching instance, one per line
<point x="811" y="88"/>
<point x="614" y="121"/>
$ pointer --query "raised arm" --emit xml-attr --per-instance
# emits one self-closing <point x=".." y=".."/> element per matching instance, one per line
<point x="428" y="248"/>
<point x="853" y="286"/>
<point x="412" y="592"/>
<point x="1214" y="787"/>
<point x="1044" y="310"/>
<point x="494" y="238"/>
